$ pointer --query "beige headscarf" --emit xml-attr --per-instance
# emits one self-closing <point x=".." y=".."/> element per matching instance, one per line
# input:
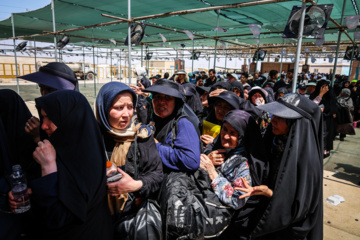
<point x="123" y="139"/>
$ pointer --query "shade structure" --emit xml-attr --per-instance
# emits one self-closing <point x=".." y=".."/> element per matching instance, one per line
<point x="272" y="15"/>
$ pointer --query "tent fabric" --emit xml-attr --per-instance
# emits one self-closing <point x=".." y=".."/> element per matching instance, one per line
<point x="77" y="13"/>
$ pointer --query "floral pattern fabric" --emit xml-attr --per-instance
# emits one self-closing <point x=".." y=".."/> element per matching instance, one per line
<point x="229" y="177"/>
<point x="264" y="122"/>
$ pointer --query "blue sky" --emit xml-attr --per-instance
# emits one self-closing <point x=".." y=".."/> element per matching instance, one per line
<point x="12" y="6"/>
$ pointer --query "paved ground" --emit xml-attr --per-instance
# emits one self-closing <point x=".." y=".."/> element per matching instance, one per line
<point x="341" y="177"/>
<point x="341" y="171"/>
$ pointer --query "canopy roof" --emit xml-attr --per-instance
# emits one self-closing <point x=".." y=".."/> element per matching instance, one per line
<point x="272" y="15"/>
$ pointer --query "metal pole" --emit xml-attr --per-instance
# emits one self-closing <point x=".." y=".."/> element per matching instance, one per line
<point x="54" y="28"/>
<point x="281" y="57"/>
<point x="216" y="41"/>
<point x="141" y="55"/>
<point x="97" y="64"/>
<point x="94" y="71"/>
<point x="36" y="67"/>
<point x="352" y="56"/>
<point x="225" y="59"/>
<point x="338" y="45"/>
<point x="257" y="55"/>
<point x="129" y="39"/>
<point x="16" y="66"/>
<point x="298" y="48"/>
<point x="177" y="58"/>
<point x="250" y="62"/>
<point x="35" y="57"/>
<point x="83" y="67"/>
<point x="111" y="65"/>
<point x="192" y="61"/>
<point x="120" y="64"/>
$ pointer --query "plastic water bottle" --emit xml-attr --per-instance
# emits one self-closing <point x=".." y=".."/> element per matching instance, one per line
<point x="112" y="173"/>
<point x="19" y="189"/>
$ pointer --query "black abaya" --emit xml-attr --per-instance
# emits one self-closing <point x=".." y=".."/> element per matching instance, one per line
<point x="76" y="206"/>
<point x="295" y="211"/>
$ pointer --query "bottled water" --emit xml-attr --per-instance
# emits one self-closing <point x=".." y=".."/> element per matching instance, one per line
<point x="111" y="172"/>
<point x="19" y="190"/>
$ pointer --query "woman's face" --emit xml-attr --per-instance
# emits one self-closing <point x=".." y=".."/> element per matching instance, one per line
<point x="163" y="105"/>
<point x="44" y="90"/>
<point x="229" y="136"/>
<point x="204" y="97"/>
<point x="280" y="95"/>
<point x="121" y="111"/>
<point x="237" y="91"/>
<point x="310" y="89"/>
<point x="222" y="108"/>
<point x="279" y="126"/>
<point x="48" y="126"/>
<point x="257" y="95"/>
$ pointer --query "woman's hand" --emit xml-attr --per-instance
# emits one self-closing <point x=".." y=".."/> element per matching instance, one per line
<point x="216" y="92"/>
<point x="217" y="157"/>
<point x="32" y="127"/>
<point x="125" y="185"/>
<point x="12" y="202"/>
<point x="207" y="165"/>
<point x="45" y="155"/>
<point x="137" y="89"/>
<point x="207" y="139"/>
<point x="250" y="191"/>
<point x="323" y="90"/>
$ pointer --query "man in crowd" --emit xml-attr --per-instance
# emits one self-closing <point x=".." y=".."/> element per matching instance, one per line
<point x="212" y="78"/>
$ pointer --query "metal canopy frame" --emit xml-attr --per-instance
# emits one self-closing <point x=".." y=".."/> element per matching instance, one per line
<point x="130" y="20"/>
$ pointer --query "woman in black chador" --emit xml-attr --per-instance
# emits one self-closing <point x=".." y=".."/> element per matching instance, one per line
<point x="294" y="140"/>
<point x="16" y="147"/>
<point x="69" y="198"/>
<point x="328" y="100"/>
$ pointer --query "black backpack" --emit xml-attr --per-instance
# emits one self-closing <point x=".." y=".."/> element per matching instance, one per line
<point x="190" y="209"/>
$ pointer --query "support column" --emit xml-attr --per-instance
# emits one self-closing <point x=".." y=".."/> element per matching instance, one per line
<point x="298" y="48"/>
<point x="192" y="61"/>
<point x="54" y="28"/>
<point x="142" y="55"/>
<point x="94" y="70"/>
<point x="281" y="56"/>
<point x="338" y="44"/>
<point x="110" y="65"/>
<point x="216" y="41"/>
<point x="129" y="39"/>
<point x="16" y="66"/>
<point x="225" y="59"/>
<point x="83" y="67"/>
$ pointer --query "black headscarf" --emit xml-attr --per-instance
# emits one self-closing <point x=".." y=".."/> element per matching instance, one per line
<point x="255" y="112"/>
<point x="279" y="91"/>
<point x="246" y="218"/>
<point x="239" y="86"/>
<point x="80" y="151"/>
<point x="296" y="206"/>
<point x="16" y="145"/>
<point x="270" y="97"/>
<point x="228" y="96"/>
<point x="193" y="98"/>
<point x="221" y="85"/>
<point x="329" y="98"/>
<point x="250" y="138"/>
<point x="164" y="125"/>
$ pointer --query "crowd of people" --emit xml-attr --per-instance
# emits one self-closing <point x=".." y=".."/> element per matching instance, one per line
<point x="260" y="145"/>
